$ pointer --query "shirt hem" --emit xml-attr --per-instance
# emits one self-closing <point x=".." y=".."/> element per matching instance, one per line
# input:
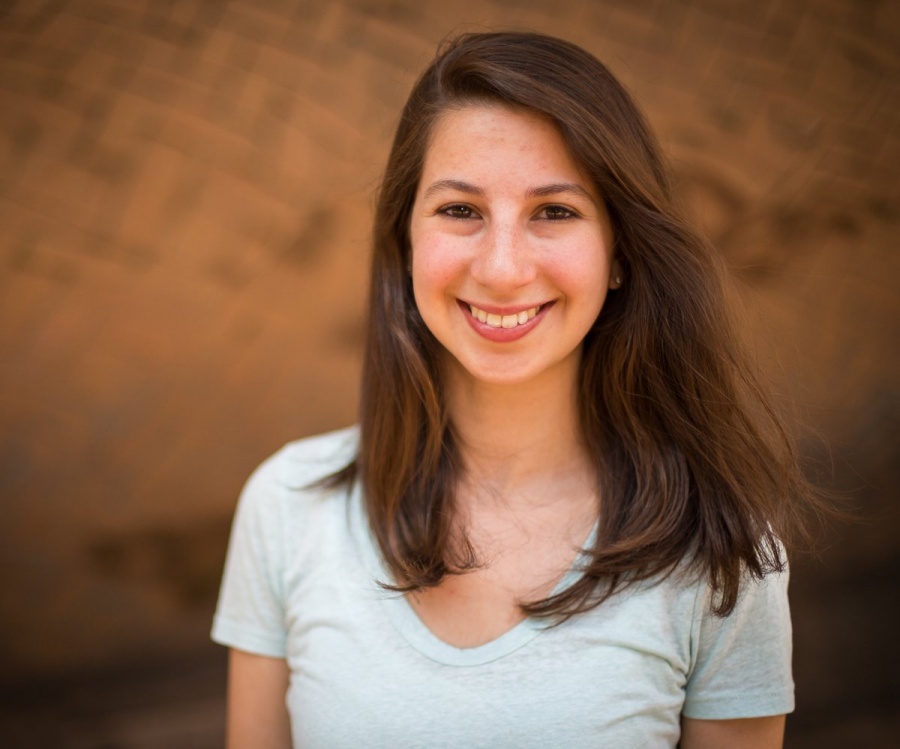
<point x="745" y="706"/>
<point x="232" y="636"/>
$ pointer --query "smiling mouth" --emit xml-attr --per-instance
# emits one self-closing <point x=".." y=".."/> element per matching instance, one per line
<point x="504" y="321"/>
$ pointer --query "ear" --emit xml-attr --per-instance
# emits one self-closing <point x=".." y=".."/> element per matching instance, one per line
<point x="616" y="275"/>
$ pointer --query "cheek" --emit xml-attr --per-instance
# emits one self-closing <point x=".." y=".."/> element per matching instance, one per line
<point x="437" y="261"/>
<point x="582" y="271"/>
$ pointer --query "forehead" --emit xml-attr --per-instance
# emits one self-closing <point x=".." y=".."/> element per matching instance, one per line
<point x="461" y="134"/>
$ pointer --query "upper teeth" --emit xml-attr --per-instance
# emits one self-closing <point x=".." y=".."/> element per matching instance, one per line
<point x="503" y="321"/>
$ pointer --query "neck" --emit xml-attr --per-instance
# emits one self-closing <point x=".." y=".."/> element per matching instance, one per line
<point x="516" y="437"/>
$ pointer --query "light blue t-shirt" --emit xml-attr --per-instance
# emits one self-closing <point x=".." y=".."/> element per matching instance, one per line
<point x="301" y="583"/>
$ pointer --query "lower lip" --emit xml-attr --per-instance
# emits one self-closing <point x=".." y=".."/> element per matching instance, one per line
<point x="503" y="335"/>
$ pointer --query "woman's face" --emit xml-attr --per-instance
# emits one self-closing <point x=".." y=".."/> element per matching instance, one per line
<point x="511" y="246"/>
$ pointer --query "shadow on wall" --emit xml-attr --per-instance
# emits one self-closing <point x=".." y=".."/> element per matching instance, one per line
<point x="185" y="564"/>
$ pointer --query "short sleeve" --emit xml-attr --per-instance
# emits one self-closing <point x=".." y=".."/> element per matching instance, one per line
<point x="250" y="612"/>
<point x="741" y="664"/>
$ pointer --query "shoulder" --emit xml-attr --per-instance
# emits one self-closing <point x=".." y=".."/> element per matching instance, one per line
<point x="285" y="508"/>
<point x="305" y="462"/>
<point x="741" y="663"/>
<point x="284" y="523"/>
<point x="287" y="486"/>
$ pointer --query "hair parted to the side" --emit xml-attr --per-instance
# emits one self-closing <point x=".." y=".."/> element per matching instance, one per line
<point x="693" y="464"/>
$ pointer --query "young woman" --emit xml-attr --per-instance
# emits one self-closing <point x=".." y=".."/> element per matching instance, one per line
<point x="559" y="522"/>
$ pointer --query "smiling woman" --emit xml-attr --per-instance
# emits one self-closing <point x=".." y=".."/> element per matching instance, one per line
<point x="560" y="520"/>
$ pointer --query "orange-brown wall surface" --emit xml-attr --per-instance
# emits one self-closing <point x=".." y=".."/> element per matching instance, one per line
<point x="185" y="191"/>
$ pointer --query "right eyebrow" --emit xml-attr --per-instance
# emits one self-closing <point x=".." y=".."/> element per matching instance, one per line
<point x="453" y="184"/>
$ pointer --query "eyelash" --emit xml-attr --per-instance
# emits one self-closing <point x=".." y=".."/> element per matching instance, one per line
<point x="568" y="213"/>
<point x="453" y="211"/>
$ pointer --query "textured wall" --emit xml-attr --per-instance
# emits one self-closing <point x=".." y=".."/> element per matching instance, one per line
<point x="185" y="188"/>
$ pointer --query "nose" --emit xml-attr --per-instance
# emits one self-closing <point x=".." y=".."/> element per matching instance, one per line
<point x="503" y="259"/>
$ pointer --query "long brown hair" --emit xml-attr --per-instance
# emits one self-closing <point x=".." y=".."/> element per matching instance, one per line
<point x="692" y="462"/>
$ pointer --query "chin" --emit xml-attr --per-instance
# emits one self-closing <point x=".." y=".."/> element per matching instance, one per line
<point x="504" y="375"/>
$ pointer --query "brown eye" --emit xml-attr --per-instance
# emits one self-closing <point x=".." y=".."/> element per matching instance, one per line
<point x="556" y="213"/>
<point x="457" y="211"/>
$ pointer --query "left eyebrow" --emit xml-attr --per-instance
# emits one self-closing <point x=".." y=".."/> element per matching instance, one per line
<point x="558" y="188"/>
<point x="453" y="184"/>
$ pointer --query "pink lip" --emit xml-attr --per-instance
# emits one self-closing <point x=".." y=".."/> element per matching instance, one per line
<point x="503" y="335"/>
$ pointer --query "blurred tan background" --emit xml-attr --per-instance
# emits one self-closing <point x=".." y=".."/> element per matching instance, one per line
<point x="185" y="190"/>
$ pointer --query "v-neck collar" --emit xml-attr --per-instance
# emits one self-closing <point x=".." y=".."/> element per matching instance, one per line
<point x="411" y="627"/>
